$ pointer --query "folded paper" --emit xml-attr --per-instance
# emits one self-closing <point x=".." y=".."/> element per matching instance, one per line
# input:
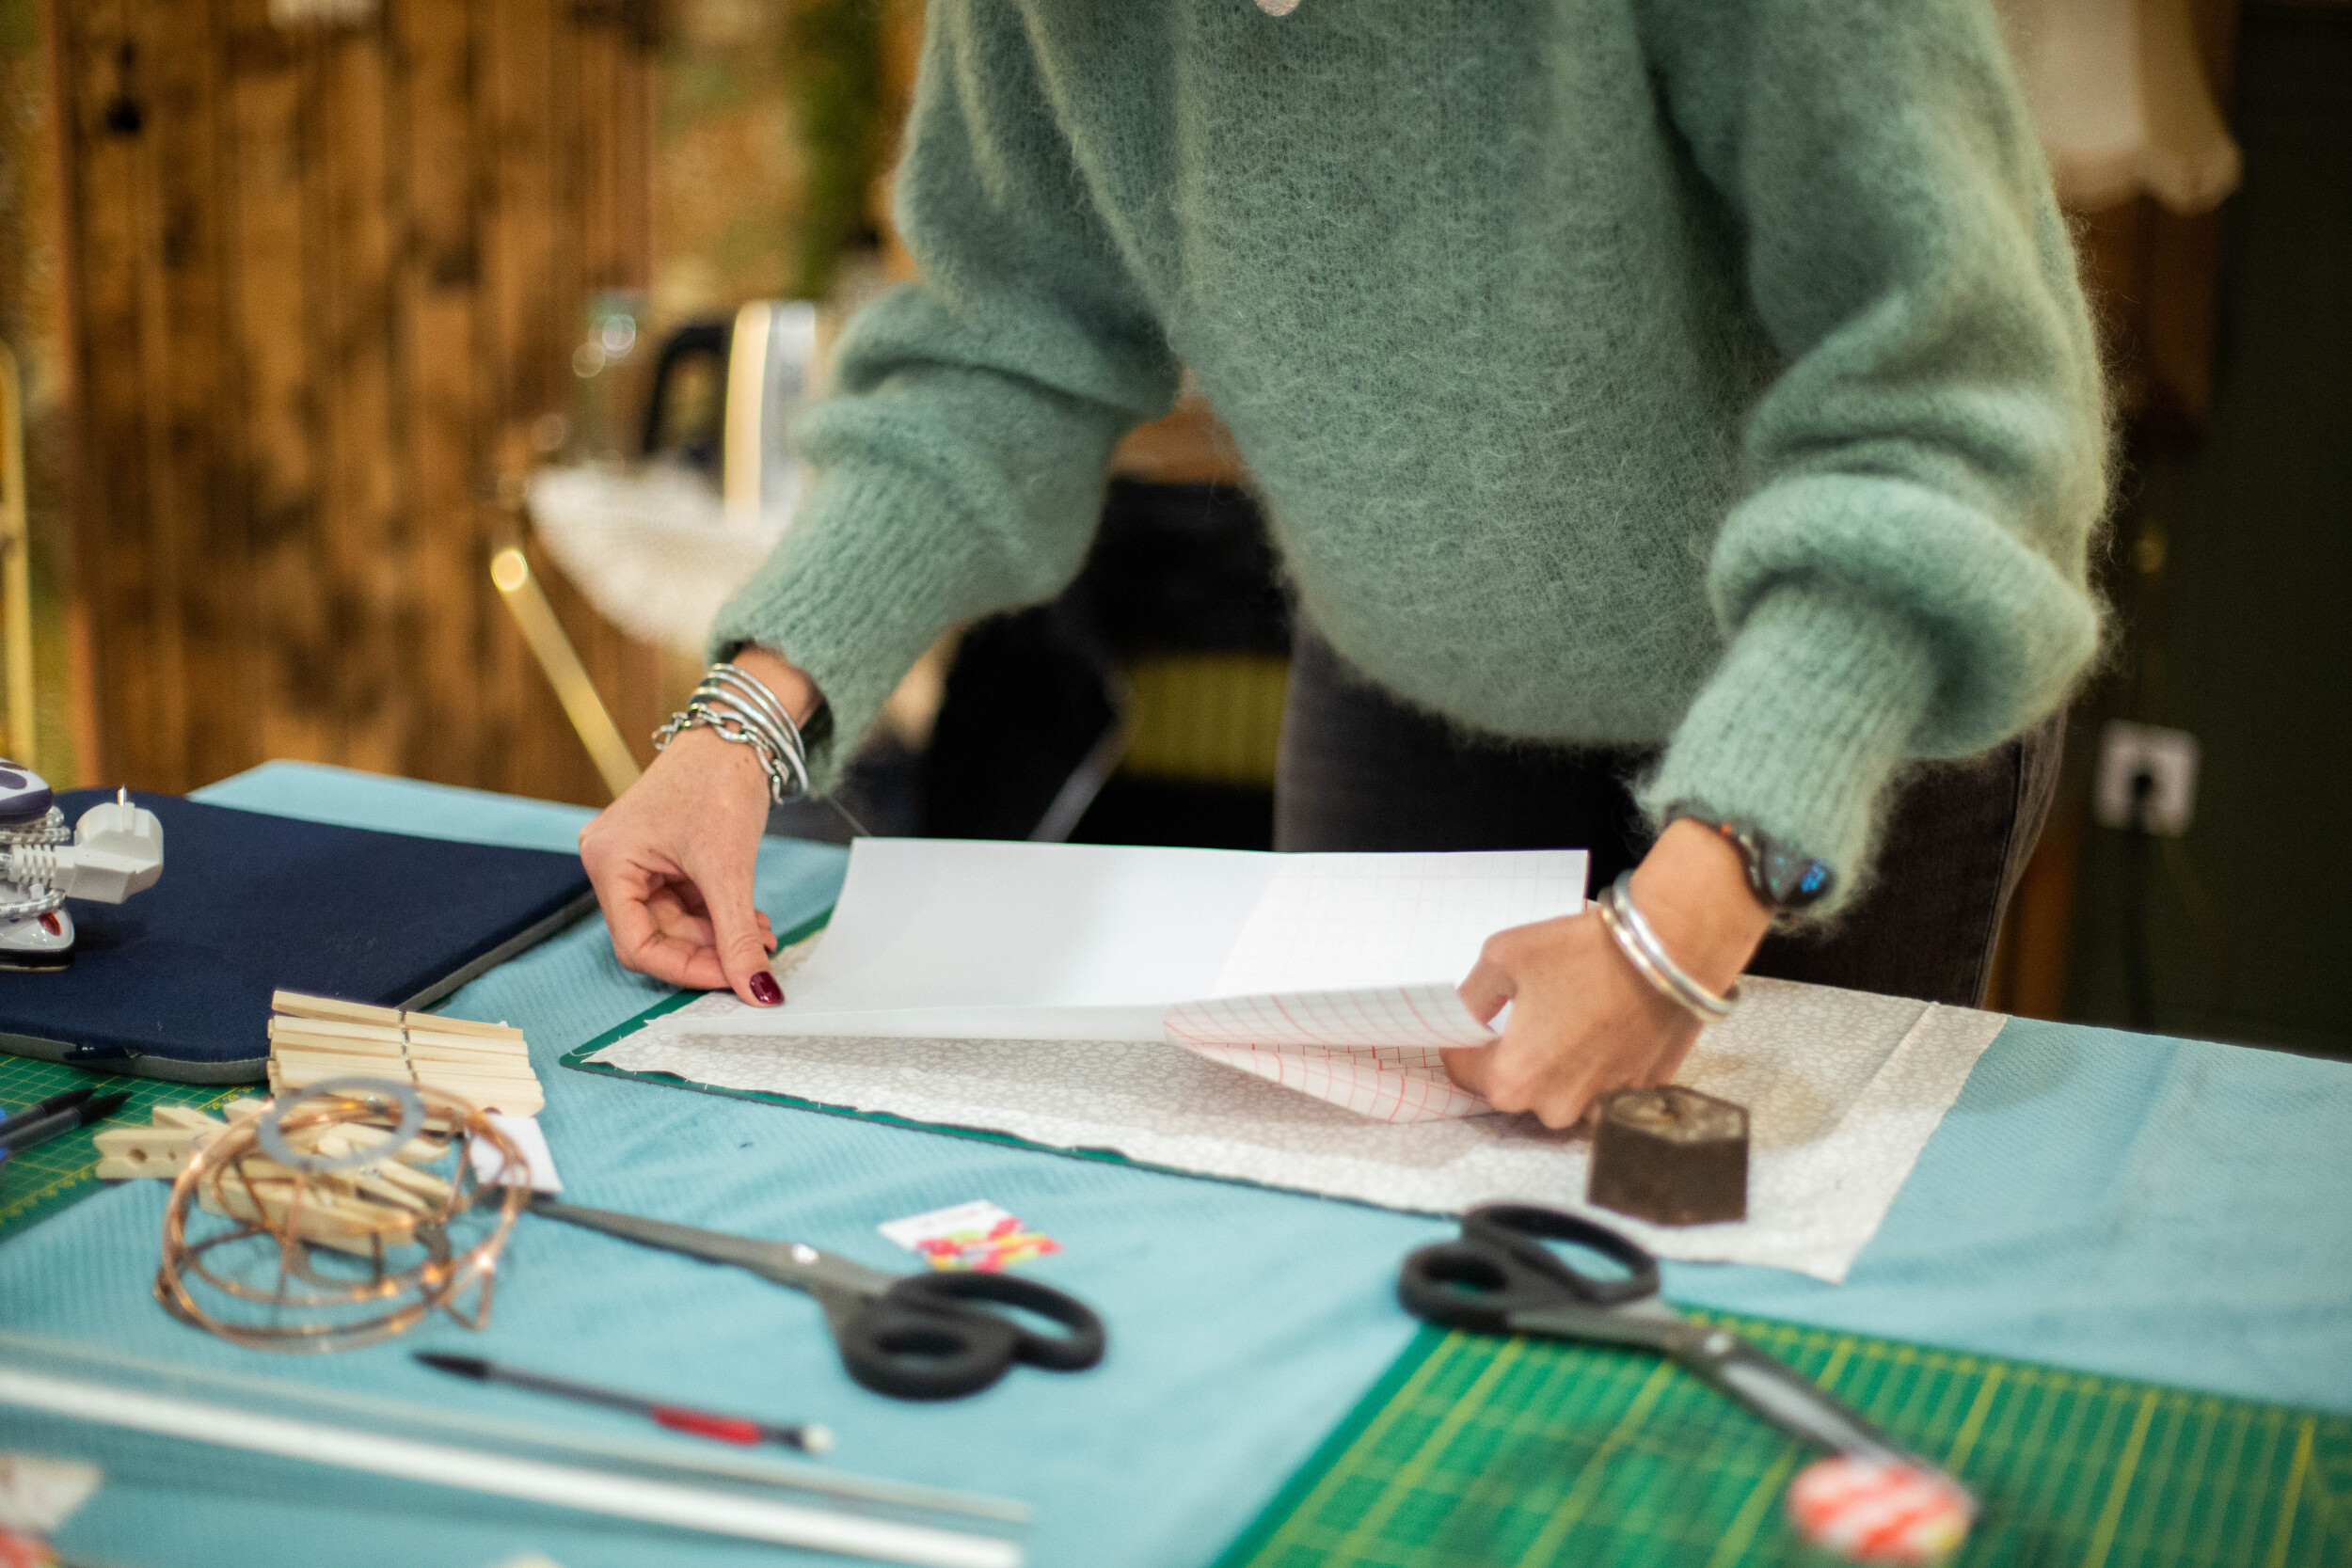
<point x="1375" y="1051"/>
<point x="1331" y="974"/>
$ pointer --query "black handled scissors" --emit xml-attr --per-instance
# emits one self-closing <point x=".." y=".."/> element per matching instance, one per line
<point x="1500" y="1279"/>
<point x="913" y="1336"/>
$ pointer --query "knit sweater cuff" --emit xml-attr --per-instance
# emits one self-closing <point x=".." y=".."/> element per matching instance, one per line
<point x="860" y="586"/>
<point x="1811" y="711"/>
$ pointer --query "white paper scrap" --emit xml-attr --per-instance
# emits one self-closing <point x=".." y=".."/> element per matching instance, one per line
<point x="39" y="1494"/>
<point x="488" y="1164"/>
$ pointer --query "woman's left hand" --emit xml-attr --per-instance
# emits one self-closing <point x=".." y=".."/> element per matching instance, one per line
<point x="1582" y="1021"/>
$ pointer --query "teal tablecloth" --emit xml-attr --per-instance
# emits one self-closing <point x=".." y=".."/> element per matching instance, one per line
<point x="2150" y="1208"/>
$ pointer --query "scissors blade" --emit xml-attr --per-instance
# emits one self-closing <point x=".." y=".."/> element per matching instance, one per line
<point x="1770" y="1387"/>
<point x="793" y="1264"/>
<point x="1648" y="1324"/>
<point x="1789" y="1399"/>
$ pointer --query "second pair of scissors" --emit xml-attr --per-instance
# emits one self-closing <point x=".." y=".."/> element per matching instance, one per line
<point x="914" y="1337"/>
<point x="1501" y="1277"/>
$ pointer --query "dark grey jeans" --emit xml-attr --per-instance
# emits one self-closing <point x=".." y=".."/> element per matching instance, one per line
<point x="1360" y="770"/>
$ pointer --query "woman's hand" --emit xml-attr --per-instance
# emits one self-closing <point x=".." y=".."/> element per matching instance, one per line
<point x="1583" y="1022"/>
<point x="672" y="859"/>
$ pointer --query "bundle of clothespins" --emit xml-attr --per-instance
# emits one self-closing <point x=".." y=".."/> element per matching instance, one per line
<point x="363" y="1208"/>
<point x="315" y="1039"/>
<point x="354" y="1210"/>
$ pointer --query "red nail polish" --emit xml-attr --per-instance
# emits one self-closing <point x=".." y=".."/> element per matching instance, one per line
<point x="765" y="990"/>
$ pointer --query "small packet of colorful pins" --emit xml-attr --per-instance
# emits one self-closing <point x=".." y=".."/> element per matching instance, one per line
<point x="979" y="1235"/>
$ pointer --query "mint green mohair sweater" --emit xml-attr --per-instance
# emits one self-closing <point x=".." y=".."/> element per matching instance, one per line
<point x="1613" y="372"/>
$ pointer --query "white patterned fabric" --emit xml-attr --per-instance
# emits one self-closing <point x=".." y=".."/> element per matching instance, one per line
<point x="1843" y="1089"/>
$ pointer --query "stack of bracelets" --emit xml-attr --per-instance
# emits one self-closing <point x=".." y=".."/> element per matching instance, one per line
<point x="734" y="705"/>
<point x="1650" y="959"/>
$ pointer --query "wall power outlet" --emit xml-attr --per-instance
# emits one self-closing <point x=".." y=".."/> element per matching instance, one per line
<point x="2169" y="757"/>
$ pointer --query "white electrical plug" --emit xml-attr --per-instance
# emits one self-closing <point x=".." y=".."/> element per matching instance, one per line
<point x="2168" y="758"/>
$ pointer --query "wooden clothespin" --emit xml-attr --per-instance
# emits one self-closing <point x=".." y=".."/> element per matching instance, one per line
<point x="313" y="1039"/>
<point x="161" y="1149"/>
<point x="353" y="1211"/>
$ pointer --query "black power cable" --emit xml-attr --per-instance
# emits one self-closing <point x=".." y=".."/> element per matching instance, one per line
<point x="2139" y="970"/>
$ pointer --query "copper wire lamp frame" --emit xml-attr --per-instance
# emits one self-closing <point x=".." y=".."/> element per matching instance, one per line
<point x="436" y="1282"/>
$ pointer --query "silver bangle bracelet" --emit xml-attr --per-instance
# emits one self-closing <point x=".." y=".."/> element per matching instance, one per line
<point x="738" y="707"/>
<point x="784" y="784"/>
<point x="748" y="693"/>
<point x="730" y="690"/>
<point x="1650" y="959"/>
<point x="750" y="689"/>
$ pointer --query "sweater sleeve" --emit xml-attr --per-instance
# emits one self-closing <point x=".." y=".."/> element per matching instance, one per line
<point x="1905" y="573"/>
<point x="958" y="468"/>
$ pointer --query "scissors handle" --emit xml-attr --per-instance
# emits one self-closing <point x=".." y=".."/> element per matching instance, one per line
<point x="1501" y="1267"/>
<point x="921" y="1340"/>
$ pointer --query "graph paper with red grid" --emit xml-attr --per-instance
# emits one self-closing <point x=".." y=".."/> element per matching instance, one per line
<point x="1371" y="1049"/>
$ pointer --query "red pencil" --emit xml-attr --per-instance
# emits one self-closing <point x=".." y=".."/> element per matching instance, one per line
<point x="809" y="1437"/>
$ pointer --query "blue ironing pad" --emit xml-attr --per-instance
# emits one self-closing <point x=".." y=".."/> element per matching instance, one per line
<point x="175" y="982"/>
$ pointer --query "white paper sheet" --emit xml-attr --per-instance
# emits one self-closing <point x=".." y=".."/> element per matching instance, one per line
<point x="1344" y="922"/>
<point x="1843" y="1090"/>
<point x="950" y="937"/>
<point x="946" y="938"/>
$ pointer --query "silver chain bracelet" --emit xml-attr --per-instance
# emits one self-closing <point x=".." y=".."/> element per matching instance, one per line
<point x="1650" y="959"/>
<point x="737" y="707"/>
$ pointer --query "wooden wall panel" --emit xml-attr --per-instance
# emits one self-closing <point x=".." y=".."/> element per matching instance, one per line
<point x="271" y="281"/>
<point x="441" y="407"/>
<point x="190" y="387"/>
<point x="532" y="251"/>
<point x="352" y="339"/>
<point x="99" y="59"/>
<point x="323" y="287"/>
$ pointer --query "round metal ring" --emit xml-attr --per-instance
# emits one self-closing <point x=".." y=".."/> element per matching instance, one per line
<point x="273" y="1140"/>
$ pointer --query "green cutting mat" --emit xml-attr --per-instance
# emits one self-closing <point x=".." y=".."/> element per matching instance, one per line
<point x="1477" y="1450"/>
<point x="49" y="1176"/>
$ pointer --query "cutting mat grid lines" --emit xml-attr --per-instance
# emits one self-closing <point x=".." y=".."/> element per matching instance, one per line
<point x="1475" y="1452"/>
<point x="48" y="1177"/>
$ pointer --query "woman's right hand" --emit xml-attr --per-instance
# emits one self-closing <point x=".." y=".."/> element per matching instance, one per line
<point x="672" y="863"/>
<point x="672" y="859"/>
